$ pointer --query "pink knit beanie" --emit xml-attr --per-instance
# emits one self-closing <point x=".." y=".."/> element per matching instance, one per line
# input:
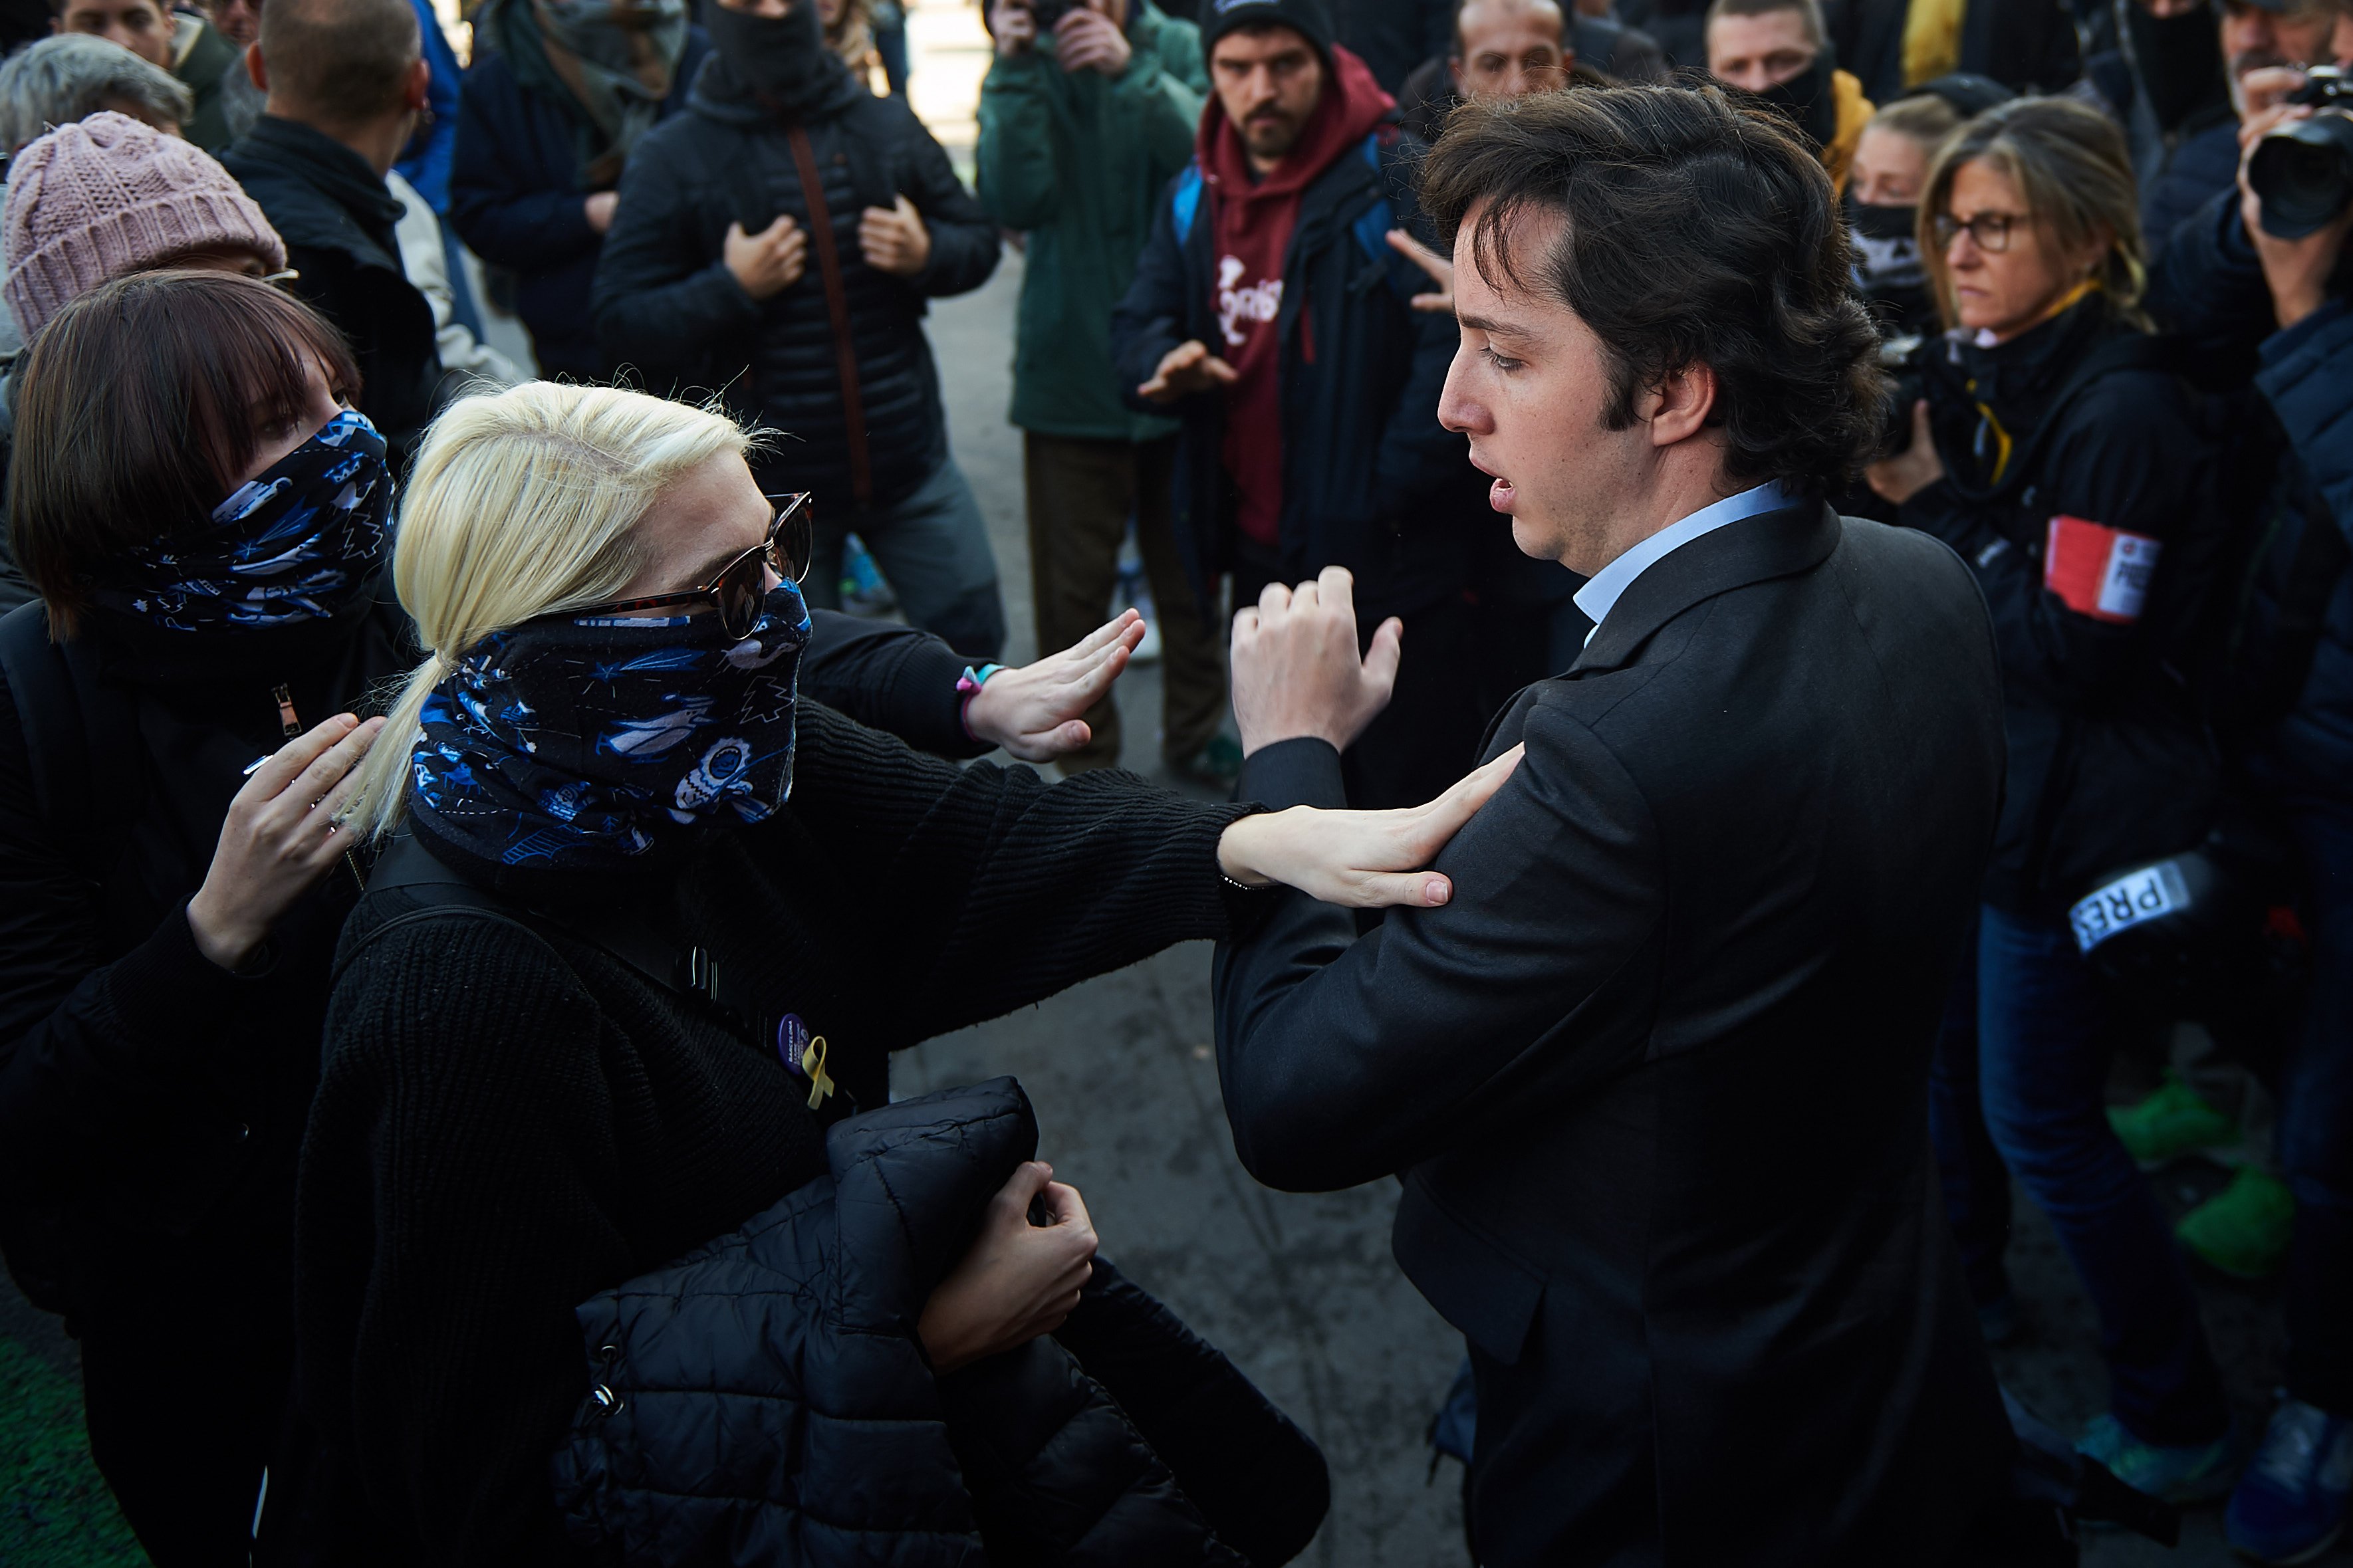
<point x="110" y="195"/>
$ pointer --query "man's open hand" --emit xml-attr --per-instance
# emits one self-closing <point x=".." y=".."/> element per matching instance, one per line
<point x="1187" y="369"/>
<point x="1296" y="668"/>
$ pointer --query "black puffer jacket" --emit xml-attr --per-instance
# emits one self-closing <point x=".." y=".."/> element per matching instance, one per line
<point x="737" y="1387"/>
<point x="667" y="305"/>
<point x="2100" y="638"/>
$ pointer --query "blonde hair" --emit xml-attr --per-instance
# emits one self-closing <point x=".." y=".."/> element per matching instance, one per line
<point x="1924" y="118"/>
<point x="2069" y="164"/>
<point x="522" y="503"/>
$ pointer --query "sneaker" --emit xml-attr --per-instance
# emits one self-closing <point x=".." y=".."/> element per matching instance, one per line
<point x="863" y="591"/>
<point x="2244" y="1229"/>
<point x="2173" y="1121"/>
<point x="1218" y="764"/>
<point x="2193" y="1472"/>
<point x="2290" y="1505"/>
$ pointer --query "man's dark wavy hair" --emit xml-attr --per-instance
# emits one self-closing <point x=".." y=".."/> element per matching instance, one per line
<point x="1697" y="232"/>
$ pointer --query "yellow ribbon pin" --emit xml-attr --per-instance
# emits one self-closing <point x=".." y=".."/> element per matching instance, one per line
<point x="813" y="1068"/>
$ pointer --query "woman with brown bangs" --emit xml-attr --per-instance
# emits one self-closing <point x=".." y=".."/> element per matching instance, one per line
<point x="205" y="520"/>
<point x="203" y="516"/>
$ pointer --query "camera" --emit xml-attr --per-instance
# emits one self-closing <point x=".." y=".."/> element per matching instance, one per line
<point x="1903" y="360"/>
<point x="2304" y="170"/>
<point x="1049" y="12"/>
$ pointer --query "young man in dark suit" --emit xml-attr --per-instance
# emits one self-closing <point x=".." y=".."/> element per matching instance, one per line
<point x="1655" y="1076"/>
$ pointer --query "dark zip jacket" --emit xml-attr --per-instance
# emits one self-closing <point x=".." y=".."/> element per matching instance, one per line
<point x="2095" y="539"/>
<point x="1370" y="480"/>
<point x="2296" y="635"/>
<point x="515" y="197"/>
<point x="337" y="215"/>
<point x="667" y="305"/>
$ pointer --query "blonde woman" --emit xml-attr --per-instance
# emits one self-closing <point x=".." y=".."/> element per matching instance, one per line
<point x="2057" y="452"/>
<point x="691" y="878"/>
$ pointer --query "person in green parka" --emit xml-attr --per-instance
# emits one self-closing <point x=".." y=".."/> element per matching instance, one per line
<point x="1082" y="124"/>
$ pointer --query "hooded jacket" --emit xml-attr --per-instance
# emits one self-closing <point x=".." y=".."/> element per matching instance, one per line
<point x="666" y="305"/>
<point x="1077" y="160"/>
<point x="791" y="1337"/>
<point x="515" y="199"/>
<point x="1367" y="475"/>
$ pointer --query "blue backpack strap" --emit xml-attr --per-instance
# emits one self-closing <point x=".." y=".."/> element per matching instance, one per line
<point x="1372" y="226"/>
<point x="1185" y="204"/>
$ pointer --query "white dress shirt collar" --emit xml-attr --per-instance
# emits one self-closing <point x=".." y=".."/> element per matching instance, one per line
<point x="1602" y="590"/>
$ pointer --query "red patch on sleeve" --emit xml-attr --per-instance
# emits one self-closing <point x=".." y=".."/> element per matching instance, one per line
<point x="2097" y="571"/>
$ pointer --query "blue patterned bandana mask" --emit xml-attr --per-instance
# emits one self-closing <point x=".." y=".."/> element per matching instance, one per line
<point x="569" y="742"/>
<point x="299" y="543"/>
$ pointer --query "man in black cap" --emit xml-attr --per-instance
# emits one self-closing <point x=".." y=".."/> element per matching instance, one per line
<point x="1272" y="316"/>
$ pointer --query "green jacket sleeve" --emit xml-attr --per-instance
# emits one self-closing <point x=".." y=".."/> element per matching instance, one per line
<point x="1015" y="166"/>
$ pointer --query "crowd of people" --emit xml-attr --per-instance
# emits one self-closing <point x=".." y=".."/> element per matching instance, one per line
<point x="464" y="876"/>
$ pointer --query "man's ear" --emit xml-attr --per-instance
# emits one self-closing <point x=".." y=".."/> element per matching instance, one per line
<point x="416" y="93"/>
<point x="255" y="69"/>
<point x="1454" y="75"/>
<point x="1679" y="405"/>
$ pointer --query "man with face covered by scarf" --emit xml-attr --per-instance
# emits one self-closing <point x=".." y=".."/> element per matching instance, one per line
<point x="1778" y="51"/>
<point x="561" y="93"/>
<point x="779" y="240"/>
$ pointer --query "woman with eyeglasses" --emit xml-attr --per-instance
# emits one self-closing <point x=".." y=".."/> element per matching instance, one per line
<point x="2058" y="453"/>
<point x="650" y="922"/>
<point x="205" y="522"/>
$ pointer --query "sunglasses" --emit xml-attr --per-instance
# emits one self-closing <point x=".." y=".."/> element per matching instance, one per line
<point x="739" y="593"/>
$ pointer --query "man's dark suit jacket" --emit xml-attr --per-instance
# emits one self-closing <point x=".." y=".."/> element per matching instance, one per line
<point x="1656" y="1078"/>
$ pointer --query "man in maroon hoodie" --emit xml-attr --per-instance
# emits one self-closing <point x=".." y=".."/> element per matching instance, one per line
<point x="1270" y="314"/>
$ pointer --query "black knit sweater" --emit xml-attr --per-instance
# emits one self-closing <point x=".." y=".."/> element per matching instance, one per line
<point x="505" y="1127"/>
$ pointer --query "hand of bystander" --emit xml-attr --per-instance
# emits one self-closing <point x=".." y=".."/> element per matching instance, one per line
<point x="2295" y="270"/>
<point x="769" y="262"/>
<point x="894" y="239"/>
<point x="1187" y="369"/>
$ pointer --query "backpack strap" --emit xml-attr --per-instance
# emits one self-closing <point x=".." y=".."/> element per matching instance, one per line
<point x="1185" y="202"/>
<point x="80" y="741"/>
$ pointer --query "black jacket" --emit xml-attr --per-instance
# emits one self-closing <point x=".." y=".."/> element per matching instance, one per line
<point x="1655" y="1079"/>
<point x="2110" y="761"/>
<point x="515" y="199"/>
<point x="2028" y="46"/>
<point x="666" y="303"/>
<point x="1392" y="36"/>
<point x="337" y="215"/>
<point x="2292" y="651"/>
<point x="511" y="1121"/>
<point x="1370" y="480"/>
<point x="790" y="1336"/>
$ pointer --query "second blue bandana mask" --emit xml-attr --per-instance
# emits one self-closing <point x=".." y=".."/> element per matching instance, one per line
<point x="570" y="741"/>
<point x="299" y="543"/>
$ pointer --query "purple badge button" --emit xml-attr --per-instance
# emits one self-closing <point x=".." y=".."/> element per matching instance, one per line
<point x="792" y="1043"/>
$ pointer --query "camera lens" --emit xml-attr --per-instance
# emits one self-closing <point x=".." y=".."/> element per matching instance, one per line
<point x="2304" y="173"/>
